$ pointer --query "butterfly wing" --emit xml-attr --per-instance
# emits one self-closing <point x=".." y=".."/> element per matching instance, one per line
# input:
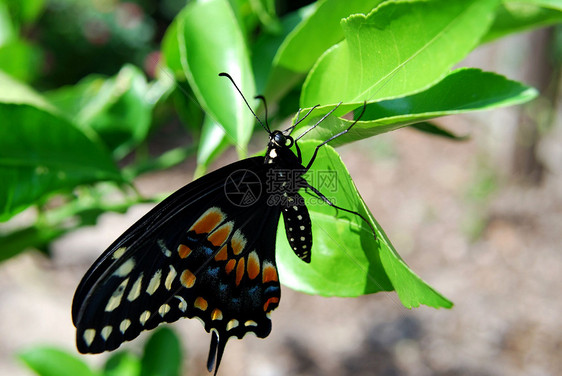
<point x="207" y="251"/>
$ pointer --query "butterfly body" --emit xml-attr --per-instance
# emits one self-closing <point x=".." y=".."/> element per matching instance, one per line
<point x="207" y="251"/>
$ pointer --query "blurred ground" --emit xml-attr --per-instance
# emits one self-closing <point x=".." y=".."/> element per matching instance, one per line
<point x="467" y="226"/>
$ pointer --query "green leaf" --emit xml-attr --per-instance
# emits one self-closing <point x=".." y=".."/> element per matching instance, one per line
<point x="162" y="354"/>
<point x="122" y="364"/>
<point x="520" y="15"/>
<point x="464" y="90"/>
<point x="319" y="31"/>
<point x="41" y="154"/>
<point x="380" y="57"/>
<point x="211" y="42"/>
<point x="20" y="59"/>
<point x="435" y="130"/>
<point x="12" y="91"/>
<point x="49" y="361"/>
<point x="171" y="50"/>
<point x="18" y="241"/>
<point x="213" y="141"/>
<point x="346" y="258"/>
<point x="118" y="109"/>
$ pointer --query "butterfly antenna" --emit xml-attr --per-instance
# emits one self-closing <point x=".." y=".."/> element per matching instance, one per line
<point x="318" y="122"/>
<point x="224" y="74"/>
<point x="292" y="127"/>
<point x="262" y="98"/>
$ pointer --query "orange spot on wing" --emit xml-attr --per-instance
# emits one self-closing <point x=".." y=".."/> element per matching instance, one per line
<point x="222" y="254"/>
<point x="187" y="278"/>
<point x="240" y="271"/>
<point x="201" y="303"/>
<point x="238" y="242"/>
<point x="184" y="250"/>
<point x="208" y="221"/>
<point x="219" y="236"/>
<point x="216" y="314"/>
<point x="272" y="300"/>
<point x="253" y="265"/>
<point x="269" y="273"/>
<point x="229" y="266"/>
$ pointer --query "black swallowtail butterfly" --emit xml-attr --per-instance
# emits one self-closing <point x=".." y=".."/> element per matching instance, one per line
<point x="206" y="251"/>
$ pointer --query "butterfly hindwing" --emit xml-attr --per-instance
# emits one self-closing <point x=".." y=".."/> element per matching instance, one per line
<point x="196" y="254"/>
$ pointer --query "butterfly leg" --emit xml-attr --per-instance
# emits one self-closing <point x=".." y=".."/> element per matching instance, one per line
<point x="330" y="203"/>
<point x="334" y="136"/>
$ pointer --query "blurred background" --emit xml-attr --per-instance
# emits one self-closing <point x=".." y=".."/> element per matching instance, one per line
<point x="480" y="219"/>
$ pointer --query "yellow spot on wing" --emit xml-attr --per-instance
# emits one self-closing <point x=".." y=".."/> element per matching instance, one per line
<point x="269" y="272"/>
<point x="184" y="250"/>
<point x="219" y="236"/>
<point x="182" y="304"/>
<point x="187" y="278"/>
<point x="238" y="242"/>
<point x="240" y="271"/>
<point x="229" y="266"/>
<point x="201" y="304"/>
<point x="250" y="323"/>
<point x="125" y="268"/>
<point x="216" y="314"/>
<point x="253" y="265"/>
<point x="222" y="254"/>
<point x="269" y="301"/>
<point x="208" y="221"/>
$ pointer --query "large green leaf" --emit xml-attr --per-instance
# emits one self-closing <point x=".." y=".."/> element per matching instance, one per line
<point x="118" y="109"/>
<point x="319" y="31"/>
<point x="210" y="42"/>
<point x="346" y="258"/>
<point x="464" y="90"/>
<point x="42" y="153"/>
<point x="400" y="48"/>
<point x="519" y="15"/>
<point x="48" y="361"/>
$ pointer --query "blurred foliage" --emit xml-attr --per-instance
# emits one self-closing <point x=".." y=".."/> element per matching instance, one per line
<point x="162" y="357"/>
<point x="86" y="86"/>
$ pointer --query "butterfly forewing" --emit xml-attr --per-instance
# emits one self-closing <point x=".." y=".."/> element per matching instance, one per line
<point x="197" y="254"/>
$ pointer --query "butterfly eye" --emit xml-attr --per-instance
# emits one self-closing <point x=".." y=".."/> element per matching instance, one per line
<point x="279" y="138"/>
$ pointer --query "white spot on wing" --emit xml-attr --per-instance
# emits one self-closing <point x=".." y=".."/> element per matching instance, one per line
<point x="106" y="331"/>
<point x="125" y="268"/>
<point x="182" y="304"/>
<point x="118" y="253"/>
<point x="154" y="282"/>
<point x="164" y="308"/>
<point x="89" y="335"/>
<point x="136" y="289"/>
<point x="116" y="297"/>
<point x="144" y="317"/>
<point x="163" y="248"/>
<point x="124" y="325"/>
<point x="232" y="324"/>
<point x="170" y="278"/>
